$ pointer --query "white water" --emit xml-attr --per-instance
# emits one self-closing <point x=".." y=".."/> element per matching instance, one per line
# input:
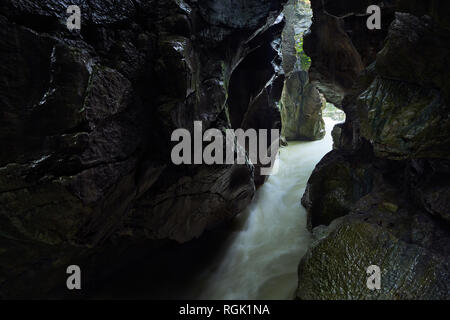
<point x="260" y="260"/>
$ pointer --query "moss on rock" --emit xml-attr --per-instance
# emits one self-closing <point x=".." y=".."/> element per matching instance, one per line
<point x="337" y="182"/>
<point x="335" y="267"/>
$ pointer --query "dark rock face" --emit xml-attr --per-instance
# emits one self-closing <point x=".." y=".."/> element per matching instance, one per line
<point x="337" y="182"/>
<point x="87" y="117"/>
<point x="414" y="92"/>
<point x="336" y="62"/>
<point x="384" y="190"/>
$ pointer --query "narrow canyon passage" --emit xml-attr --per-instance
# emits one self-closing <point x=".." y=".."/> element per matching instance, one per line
<point x="93" y="205"/>
<point x="260" y="259"/>
<point x="255" y="257"/>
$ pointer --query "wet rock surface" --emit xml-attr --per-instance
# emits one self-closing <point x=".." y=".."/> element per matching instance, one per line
<point x="385" y="184"/>
<point x="85" y="172"/>
<point x="345" y="250"/>
<point x="337" y="182"/>
<point x="301" y="103"/>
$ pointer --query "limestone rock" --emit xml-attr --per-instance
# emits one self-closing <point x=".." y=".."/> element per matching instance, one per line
<point x="301" y="103"/>
<point x="396" y="133"/>
<point x="337" y="182"/>
<point x="301" y="109"/>
<point x="335" y="267"/>
<point x="87" y="161"/>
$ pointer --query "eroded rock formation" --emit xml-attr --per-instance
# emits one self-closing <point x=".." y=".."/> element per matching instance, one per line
<point x="301" y="103"/>
<point x="384" y="191"/>
<point x="87" y="118"/>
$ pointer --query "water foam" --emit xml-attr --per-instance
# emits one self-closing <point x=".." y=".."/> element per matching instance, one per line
<point x="260" y="260"/>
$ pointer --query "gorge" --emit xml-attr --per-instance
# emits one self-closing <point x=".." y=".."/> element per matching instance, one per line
<point x="86" y="176"/>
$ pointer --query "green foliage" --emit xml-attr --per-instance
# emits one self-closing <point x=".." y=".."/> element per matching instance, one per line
<point x="304" y="59"/>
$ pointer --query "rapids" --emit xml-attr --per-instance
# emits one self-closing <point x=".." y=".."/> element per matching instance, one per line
<point x="260" y="259"/>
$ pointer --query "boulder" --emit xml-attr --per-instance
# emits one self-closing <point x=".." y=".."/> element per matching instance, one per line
<point x="335" y="268"/>
<point x="337" y="182"/>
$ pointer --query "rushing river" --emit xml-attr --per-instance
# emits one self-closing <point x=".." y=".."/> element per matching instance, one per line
<point x="259" y="261"/>
<point x="256" y="257"/>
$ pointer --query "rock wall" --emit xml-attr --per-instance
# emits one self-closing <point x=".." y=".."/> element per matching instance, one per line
<point x="87" y="117"/>
<point x="382" y="196"/>
<point x="301" y="103"/>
